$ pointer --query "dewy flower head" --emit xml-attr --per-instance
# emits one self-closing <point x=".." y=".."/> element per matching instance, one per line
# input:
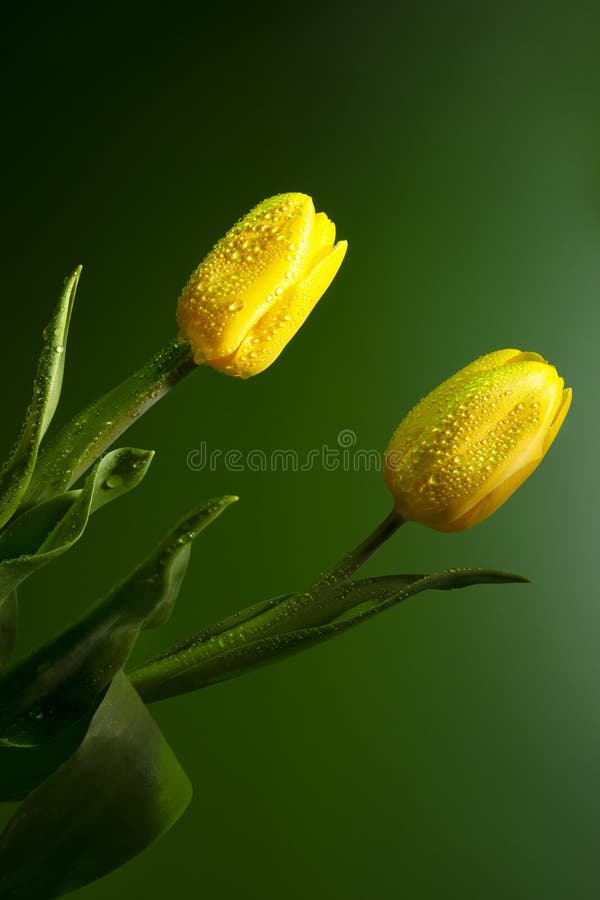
<point x="463" y="450"/>
<point x="256" y="287"/>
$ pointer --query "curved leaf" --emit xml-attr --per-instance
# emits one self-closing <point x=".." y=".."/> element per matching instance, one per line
<point x="295" y="623"/>
<point x="45" y="532"/>
<point x="17" y="472"/>
<point x="79" y="443"/>
<point x="120" y="791"/>
<point x="267" y="617"/>
<point x="57" y="685"/>
<point x="363" y="604"/>
<point x="22" y="769"/>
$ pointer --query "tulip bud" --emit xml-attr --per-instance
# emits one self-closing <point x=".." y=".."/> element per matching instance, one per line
<point x="259" y="283"/>
<point x="463" y="449"/>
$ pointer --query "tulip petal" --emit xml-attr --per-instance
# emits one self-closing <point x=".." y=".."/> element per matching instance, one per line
<point x="559" y="417"/>
<point x="276" y="328"/>
<point x="245" y="272"/>
<point x="528" y="356"/>
<point x="322" y="239"/>
<point x="471" y="442"/>
<point x="491" y="501"/>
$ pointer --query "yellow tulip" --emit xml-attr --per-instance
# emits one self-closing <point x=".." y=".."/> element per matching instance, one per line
<point x="463" y="449"/>
<point x="259" y="283"/>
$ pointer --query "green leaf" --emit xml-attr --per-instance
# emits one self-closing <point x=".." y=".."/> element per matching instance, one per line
<point x="45" y="532"/>
<point x="57" y="685"/>
<point x="361" y="604"/>
<point x="79" y="443"/>
<point x="288" y="625"/>
<point x="17" y="472"/>
<point x="120" y="791"/>
<point x="22" y="769"/>
<point x="267" y="617"/>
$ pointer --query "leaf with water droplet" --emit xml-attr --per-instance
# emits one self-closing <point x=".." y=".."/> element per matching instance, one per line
<point x="121" y="789"/>
<point x="68" y="453"/>
<point x="23" y="768"/>
<point x="45" y="532"/>
<point x="17" y="473"/>
<point x="58" y="684"/>
<point x="287" y="625"/>
<point x="361" y="600"/>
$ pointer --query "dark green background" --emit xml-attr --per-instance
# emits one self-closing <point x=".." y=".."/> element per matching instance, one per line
<point x="450" y="747"/>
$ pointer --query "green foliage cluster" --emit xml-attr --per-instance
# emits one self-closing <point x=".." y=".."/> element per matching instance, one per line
<point x="97" y="780"/>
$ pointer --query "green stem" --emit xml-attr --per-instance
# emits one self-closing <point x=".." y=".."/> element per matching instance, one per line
<point x="65" y="457"/>
<point x="219" y="651"/>
<point x="357" y="558"/>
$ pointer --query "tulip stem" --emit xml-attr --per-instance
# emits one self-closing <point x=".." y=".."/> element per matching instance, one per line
<point x="85" y="438"/>
<point x="242" y="641"/>
<point x="355" y="559"/>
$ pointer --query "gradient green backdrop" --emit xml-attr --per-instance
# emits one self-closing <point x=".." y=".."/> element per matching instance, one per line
<point x="451" y="747"/>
